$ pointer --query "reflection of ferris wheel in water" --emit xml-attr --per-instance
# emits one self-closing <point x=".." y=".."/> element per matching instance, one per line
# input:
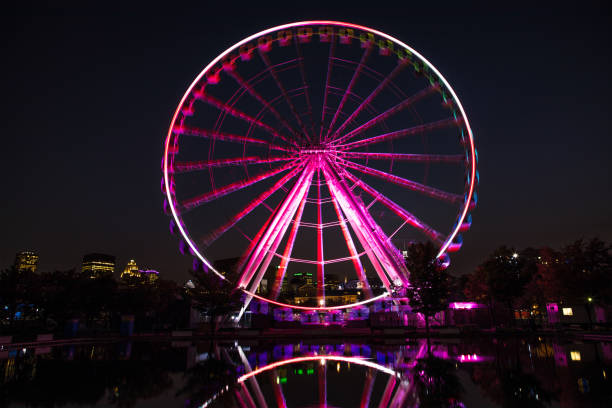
<point x="313" y="148"/>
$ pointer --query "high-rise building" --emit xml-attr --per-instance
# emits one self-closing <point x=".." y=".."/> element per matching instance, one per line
<point x="132" y="275"/>
<point x="307" y="277"/>
<point x="26" y="261"/>
<point x="130" y="270"/>
<point x="98" y="265"/>
<point x="149" y="275"/>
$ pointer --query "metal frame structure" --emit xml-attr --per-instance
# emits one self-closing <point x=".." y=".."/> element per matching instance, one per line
<point x="308" y="159"/>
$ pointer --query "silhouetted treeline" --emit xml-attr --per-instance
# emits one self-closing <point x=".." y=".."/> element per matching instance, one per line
<point x="578" y="273"/>
<point x="49" y="301"/>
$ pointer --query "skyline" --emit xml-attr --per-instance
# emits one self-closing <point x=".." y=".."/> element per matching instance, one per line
<point x="92" y="195"/>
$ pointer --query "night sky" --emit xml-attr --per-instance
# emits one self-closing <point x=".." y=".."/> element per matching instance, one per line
<point x="88" y="93"/>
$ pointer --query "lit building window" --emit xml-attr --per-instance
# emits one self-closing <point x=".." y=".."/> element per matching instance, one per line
<point x="567" y="311"/>
<point x="98" y="265"/>
<point x="575" y="355"/>
<point x="26" y="261"/>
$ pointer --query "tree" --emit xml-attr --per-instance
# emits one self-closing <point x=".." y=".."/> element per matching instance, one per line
<point x="437" y="383"/>
<point x="506" y="274"/>
<point x="430" y="285"/>
<point x="586" y="268"/>
<point x="18" y="293"/>
<point x="213" y="296"/>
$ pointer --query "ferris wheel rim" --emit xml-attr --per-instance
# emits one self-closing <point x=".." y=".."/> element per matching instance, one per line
<point x="168" y="188"/>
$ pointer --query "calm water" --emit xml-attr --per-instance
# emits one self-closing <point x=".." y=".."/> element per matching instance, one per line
<point x="333" y="373"/>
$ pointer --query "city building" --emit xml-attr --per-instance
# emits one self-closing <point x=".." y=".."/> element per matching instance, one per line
<point x="26" y="261"/>
<point x="132" y="275"/>
<point x="149" y="275"/>
<point x="98" y="265"/>
<point x="130" y="271"/>
<point x="262" y="289"/>
<point x="307" y="277"/>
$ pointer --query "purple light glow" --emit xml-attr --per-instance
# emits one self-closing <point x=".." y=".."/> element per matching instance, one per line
<point x="465" y="305"/>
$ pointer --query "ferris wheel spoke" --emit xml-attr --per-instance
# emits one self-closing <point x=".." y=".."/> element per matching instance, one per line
<point x="398" y="210"/>
<point x="278" y="390"/>
<point x="281" y="87"/>
<point x="305" y="85"/>
<point x="418" y="158"/>
<point x="262" y="101"/>
<point x="360" y="271"/>
<point x="368" y="100"/>
<point x="386" y="114"/>
<point x="241" y="115"/>
<point x="366" y="395"/>
<point x="320" y="264"/>
<point x="184" y="167"/>
<point x="412" y="185"/>
<point x="230" y="188"/>
<point x="388" y="392"/>
<point x="272" y="236"/>
<point x="349" y="88"/>
<point x="227" y="137"/>
<point x="250" y="207"/>
<point x="329" y="70"/>
<point x="380" y="251"/>
<point x="282" y="268"/>
<point x="400" y="133"/>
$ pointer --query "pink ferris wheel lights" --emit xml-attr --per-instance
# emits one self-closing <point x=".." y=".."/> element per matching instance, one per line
<point x="321" y="359"/>
<point x="246" y="166"/>
<point x="412" y="185"/>
<point x="388" y="113"/>
<point x="398" y="133"/>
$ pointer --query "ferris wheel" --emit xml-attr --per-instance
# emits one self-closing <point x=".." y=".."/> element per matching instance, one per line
<point x="318" y="149"/>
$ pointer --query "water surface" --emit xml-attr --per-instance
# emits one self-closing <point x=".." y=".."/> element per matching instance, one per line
<point x="492" y="372"/>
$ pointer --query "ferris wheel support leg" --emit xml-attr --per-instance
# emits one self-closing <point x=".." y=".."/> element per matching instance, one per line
<point x="238" y="393"/>
<point x="270" y="253"/>
<point x="278" y="390"/>
<point x="368" y="388"/>
<point x="322" y="376"/>
<point x="246" y="396"/>
<point x="253" y="380"/>
<point x="384" y="401"/>
<point x="399" y="398"/>
<point x="279" y="217"/>
<point x="320" y="265"/>
<point x="380" y="270"/>
<point x="361" y="220"/>
<point x="371" y="253"/>
<point x="277" y="228"/>
<point x="282" y="269"/>
<point x="352" y="250"/>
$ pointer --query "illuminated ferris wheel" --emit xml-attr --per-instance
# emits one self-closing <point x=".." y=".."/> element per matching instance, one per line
<point x="318" y="148"/>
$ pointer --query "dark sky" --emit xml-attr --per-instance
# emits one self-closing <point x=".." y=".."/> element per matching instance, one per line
<point x="88" y="92"/>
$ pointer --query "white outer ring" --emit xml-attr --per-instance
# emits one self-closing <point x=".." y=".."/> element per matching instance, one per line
<point x="307" y="23"/>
